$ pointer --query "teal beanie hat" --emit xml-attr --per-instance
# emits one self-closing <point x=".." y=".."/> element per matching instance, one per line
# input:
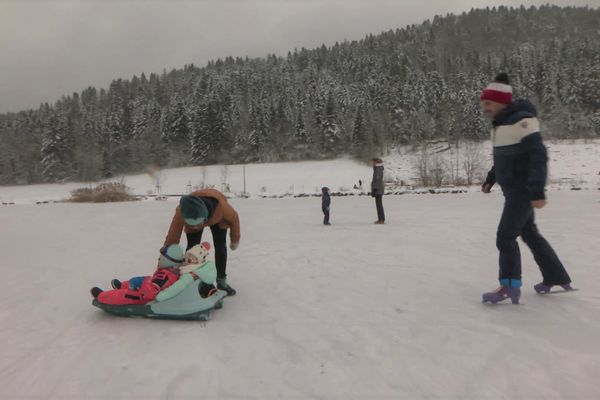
<point x="193" y="209"/>
<point x="171" y="256"/>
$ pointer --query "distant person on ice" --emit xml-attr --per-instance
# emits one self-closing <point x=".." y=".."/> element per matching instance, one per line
<point x="520" y="168"/>
<point x="207" y="208"/>
<point x="377" y="190"/>
<point x="325" y="204"/>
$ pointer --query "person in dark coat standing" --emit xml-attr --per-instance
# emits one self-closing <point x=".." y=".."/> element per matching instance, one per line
<point x="377" y="188"/>
<point x="325" y="204"/>
<point x="520" y="168"/>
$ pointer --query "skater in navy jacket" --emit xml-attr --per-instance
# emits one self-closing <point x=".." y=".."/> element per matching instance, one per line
<point x="520" y="168"/>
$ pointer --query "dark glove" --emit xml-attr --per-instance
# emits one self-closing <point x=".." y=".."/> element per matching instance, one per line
<point x="486" y="187"/>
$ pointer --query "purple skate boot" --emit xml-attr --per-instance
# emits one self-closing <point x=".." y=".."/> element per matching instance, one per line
<point x="509" y="289"/>
<point x="501" y="294"/>
<point x="542" y="288"/>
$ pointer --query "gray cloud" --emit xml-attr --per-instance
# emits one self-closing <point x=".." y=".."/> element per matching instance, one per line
<point x="57" y="47"/>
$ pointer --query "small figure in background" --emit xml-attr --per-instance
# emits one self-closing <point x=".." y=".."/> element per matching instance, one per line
<point x="377" y="188"/>
<point x="325" y="204"/>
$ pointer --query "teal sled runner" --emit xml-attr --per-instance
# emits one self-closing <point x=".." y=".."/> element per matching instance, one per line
<point x="187" y="305"/>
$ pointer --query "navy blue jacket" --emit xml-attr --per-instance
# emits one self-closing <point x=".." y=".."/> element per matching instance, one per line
<point x="520" y="157"/>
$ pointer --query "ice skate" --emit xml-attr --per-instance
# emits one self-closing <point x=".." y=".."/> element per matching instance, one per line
<point x="501" y="294"/>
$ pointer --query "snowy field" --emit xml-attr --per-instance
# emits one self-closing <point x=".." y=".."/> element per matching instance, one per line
<point x="574" y="163"/>
<point x="351" y="311"/>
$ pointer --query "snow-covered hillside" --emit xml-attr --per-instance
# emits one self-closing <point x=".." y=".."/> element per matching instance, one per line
<point x="572" y="164"/>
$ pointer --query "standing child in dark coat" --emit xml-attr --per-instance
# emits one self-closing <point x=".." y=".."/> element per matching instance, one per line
<point x="325" y="204"/>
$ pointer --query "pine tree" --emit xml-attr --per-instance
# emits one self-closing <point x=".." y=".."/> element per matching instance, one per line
<point x="215" y="126"/>
<point x="107" y="168"/>
<point x="300" y="131"/>
<point x="54" y="149"/>
<point x="175" y="131"/>
<point x="199" y="133"/>
<point x="258" y="131"/>
<point x="330" y="129"/>
<point x="360" y="140"/>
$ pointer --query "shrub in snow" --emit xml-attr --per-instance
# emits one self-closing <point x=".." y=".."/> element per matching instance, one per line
<point x="103" y="193"/>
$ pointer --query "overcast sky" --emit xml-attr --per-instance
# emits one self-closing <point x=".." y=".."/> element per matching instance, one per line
<point x="53" y="47"/>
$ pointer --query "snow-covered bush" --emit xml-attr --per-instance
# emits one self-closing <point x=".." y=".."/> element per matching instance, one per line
<point x="103" y="193"/>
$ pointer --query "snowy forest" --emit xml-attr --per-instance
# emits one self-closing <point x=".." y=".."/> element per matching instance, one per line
<point x="358" y="98"/>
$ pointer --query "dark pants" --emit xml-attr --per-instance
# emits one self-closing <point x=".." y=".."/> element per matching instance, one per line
<point x="379" y="204"/>
<point x="518" y="219"/>
<point x="220" y="243"/>
<point x="325" y="215"/>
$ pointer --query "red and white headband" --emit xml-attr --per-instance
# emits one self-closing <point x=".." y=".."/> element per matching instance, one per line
<point x="497" y="92"/>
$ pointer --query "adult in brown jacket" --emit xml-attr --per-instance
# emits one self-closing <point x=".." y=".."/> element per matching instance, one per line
<point x="200" y="209"/>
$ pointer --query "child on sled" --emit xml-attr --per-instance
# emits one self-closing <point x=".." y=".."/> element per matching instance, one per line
<point x="143" y="289"/>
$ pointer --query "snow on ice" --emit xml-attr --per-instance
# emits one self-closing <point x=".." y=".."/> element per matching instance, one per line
<point x="350" y="311"/>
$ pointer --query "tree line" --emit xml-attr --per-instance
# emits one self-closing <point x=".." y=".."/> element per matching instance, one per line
<point x="359" y="98"/>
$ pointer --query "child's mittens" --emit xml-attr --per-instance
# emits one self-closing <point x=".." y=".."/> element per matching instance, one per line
<point x="136" y="282"/>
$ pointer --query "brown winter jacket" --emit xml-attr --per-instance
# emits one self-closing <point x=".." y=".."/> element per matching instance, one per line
<point x="223" y="215"/>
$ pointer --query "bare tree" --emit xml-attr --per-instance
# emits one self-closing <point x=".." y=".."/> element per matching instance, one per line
<point x="472" y="162"/>
<point x="203" y="179"/>
<point x="157" y="177"/>
<point x="438" y="171"/>
<point x="422" y="166"/>
<point x="224" y="176"/>
<point x="454" y="164"/>
<point x="431" y="170"/>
